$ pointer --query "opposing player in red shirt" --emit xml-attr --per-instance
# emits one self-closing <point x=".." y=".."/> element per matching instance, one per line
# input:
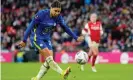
<point x="92" y="32"/>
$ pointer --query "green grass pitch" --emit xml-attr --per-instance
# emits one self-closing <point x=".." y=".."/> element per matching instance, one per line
<point x="25" y="71"/>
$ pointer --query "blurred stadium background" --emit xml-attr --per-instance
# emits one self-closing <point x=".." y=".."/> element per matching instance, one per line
<point x="116" y="47"/>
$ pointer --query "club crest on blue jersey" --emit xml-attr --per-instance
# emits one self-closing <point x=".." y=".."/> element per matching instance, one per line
<point x="54" y="24"/>
<point x="41" y="44"/>
<point x="36" y="17"/>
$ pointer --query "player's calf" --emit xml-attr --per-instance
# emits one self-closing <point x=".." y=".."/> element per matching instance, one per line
<point x="43" y="70"/>
<point x="53" y="65"/>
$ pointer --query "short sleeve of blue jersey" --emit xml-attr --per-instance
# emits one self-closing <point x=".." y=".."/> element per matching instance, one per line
<point x="62" y="23"/>
<point x="36" y="19"/>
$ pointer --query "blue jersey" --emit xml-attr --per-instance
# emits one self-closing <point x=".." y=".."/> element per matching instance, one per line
<point x="41" y="28"/>
<point x="42" y="25"/>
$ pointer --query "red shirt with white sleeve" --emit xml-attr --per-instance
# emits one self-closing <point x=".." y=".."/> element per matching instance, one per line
<point x="93" y="30"/>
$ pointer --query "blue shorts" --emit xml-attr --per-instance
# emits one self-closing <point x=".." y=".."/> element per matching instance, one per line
<point x="41" y="44"/>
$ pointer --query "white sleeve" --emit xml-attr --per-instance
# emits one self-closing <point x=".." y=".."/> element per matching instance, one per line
<point x="84" y="32"/>
<point x="88" y="39"/>
<point x="101" y="30"/>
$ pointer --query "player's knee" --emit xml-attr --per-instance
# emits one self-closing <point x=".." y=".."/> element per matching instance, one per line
<point x="46" y="65"/>
<point x="95" y="54"/>
<point x="46" y="53"/>
<point x="49" y="59"/>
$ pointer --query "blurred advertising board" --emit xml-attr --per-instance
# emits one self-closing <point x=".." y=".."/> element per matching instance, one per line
<point x="6" y="56"/>
<point x="103" y="57"/>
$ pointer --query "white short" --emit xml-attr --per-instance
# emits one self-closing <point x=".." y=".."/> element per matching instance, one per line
<point x="91" y="43"/>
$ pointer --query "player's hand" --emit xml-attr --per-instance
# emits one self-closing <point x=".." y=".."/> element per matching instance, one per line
<point x="80" y="38"/>
<point x="21" y="44"/>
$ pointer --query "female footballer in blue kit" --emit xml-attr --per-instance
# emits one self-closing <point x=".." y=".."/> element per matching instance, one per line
<point x="40" y="29"/>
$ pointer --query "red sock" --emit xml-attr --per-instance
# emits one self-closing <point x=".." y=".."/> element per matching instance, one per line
<point x="93" y="60"/>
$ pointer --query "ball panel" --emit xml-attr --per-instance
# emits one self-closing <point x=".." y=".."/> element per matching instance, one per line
<point x="81" y="57"/>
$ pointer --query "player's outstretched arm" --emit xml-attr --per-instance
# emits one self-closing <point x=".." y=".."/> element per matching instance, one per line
<point x="80" y="38"/>
<point x="86" y="30"/>
<point x="34" y="21"/>
<point x="28" y="30"/>
<point x="26" y="34"/>
<point x="21" y="44"/>
<point x="68" y="30"/>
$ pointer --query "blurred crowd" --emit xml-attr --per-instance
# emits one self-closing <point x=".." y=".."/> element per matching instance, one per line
<point x="116" y="17"/>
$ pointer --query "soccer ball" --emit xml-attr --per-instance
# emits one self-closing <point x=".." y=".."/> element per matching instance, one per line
<point x="81" y="57"/>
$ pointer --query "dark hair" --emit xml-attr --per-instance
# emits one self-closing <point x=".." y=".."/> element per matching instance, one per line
<point x="56" y="4"/>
